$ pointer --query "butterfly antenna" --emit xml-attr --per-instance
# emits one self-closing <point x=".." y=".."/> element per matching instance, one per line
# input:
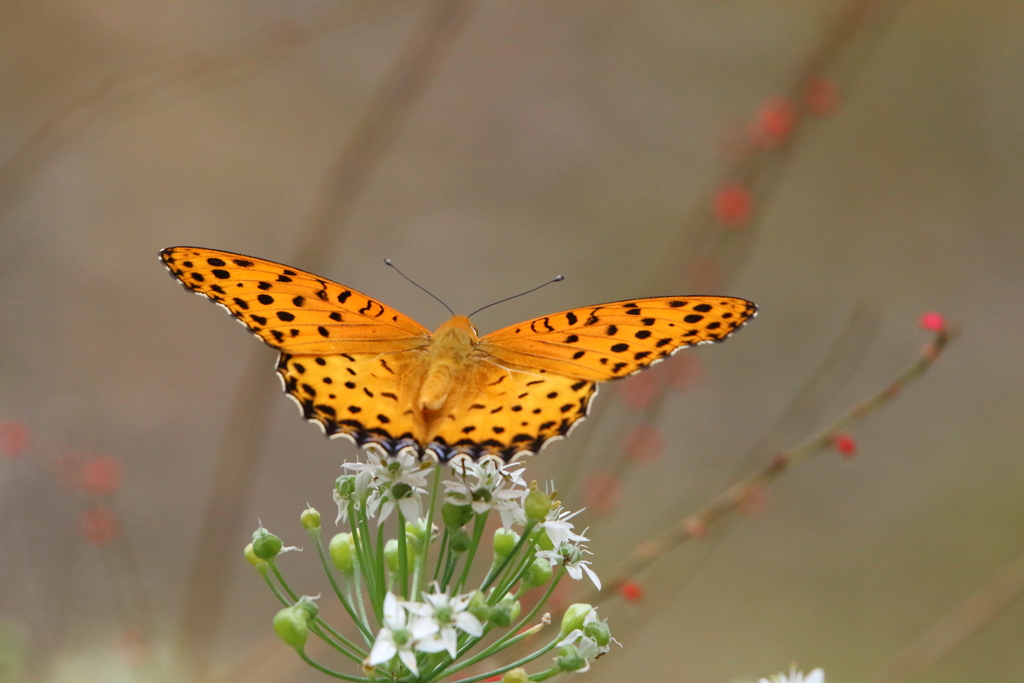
<point x="388" y="261"/>
<point x="557" y="278"/>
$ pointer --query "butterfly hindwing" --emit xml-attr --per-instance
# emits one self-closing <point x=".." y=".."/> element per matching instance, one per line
<point x="617" y="339"/>
<point x="290" y="309"/>
<point x="370" y="398"/>
<point x="514" y="414"/>
<point x="362" y="396"/>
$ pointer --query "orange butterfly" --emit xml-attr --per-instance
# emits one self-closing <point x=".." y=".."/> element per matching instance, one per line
<point x="363" y="370"/>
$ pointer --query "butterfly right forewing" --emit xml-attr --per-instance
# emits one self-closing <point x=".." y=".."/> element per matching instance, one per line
<point x="614" y="340"/>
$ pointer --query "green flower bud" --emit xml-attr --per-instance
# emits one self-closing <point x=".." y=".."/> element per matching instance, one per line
<point x="342" y="550"/>
<point x="416" y="533"/>
<point x="599" y="631"/>
<point x="458" y="540"/>
<point x="574" y="616"/>
<point x="516" y="609"/>
<point x="310" y="519"/>
<point x="504" y="541"/>
<point x="501" y="615"/>
<point x="345" y="485"/>
<point x="251" y="556"/>
<point x="478" y="607"/>
<point x="456" y="516"/>
<point x="505" y="612"/>
<point x="391" y="554"/>
<point x="401" y="490"/>
<point x="265" y="545"/>
<point x="308" y="607"/>
<point x="517" y="675"/>
<point x="569" y="659"/>
<point x="570" y="553"/>
<point x="537" y="505"/>
<point x="542" y="540"/>
<point x="538" y="573"/>
<point x="291" y="626"/>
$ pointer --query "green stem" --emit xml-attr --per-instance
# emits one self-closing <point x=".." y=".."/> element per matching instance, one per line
<point x="280" y="579"/>
<point x="508" y="667"/>
<point x="421" y="565"/>
<point x="373" y="573"/>
<point x="498" y="644"/>
<point x="545" y="675"/>
<point x="363" y="626"/>
<point x="440" y="553"/>
<point x="378" y="607"/>
<point x="339" y="646"/>
<point x="356" y="597"/>
<point x="478" y="532"/>
<point x="449" y="569"/>
<point x="510" y="579"/>
<point x="403" y="558"/>
<point x="350" y="649"/>
<point x="506" y="641"/>
<point x="274" y="589"/>
<point x="329" y="672"/>
<point x="364" y="553"/>
<point x="494" y="573"/>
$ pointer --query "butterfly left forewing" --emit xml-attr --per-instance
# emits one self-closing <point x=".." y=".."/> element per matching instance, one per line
<point x="290" y="309"/>
<point x="614" y="340"/>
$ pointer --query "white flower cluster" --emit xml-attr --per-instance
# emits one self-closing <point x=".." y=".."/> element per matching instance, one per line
<point x="816" y="676"/>
<point x="429" y="626"/>
<point x="385" y="482"/>
<point x="569" y="548"/>
<point x="588" y="646"/>
<point x="486" y="486"/>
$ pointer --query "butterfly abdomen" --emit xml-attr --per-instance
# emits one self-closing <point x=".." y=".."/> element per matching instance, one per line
<point x="449" y="361"/>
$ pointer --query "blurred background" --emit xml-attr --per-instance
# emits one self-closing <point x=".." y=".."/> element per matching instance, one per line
<point x="846" y="165"/>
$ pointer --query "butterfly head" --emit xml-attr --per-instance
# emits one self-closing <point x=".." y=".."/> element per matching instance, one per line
<point x="458" y="331"/>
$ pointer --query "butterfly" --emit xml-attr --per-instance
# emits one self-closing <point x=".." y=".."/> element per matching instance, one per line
<point x="362" y="370"/>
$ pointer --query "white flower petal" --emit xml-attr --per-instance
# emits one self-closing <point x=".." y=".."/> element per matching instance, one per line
<point x="419" y="609"/>
<point x="469" y="623"/>
<point x="423" y="627"/>
<point x="394" y="613"/>
<point x="451" y="641"/>
<point x="409" y="659"/>
<point x="383" y="648"/>
<point x="410" y="506"/>
<point x="431" y="644"/>
<point x="597" y="581"/>
<point x="385" y="511"/>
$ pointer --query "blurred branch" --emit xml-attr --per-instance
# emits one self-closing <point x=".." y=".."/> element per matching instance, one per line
<point x="695" y="525"/>
<point x="238" y="458"/>
<point x="246" y="56"/>
<point x="348" y="174"/>
<point x="966" y="619"/>
<point x="720" y="230"/>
